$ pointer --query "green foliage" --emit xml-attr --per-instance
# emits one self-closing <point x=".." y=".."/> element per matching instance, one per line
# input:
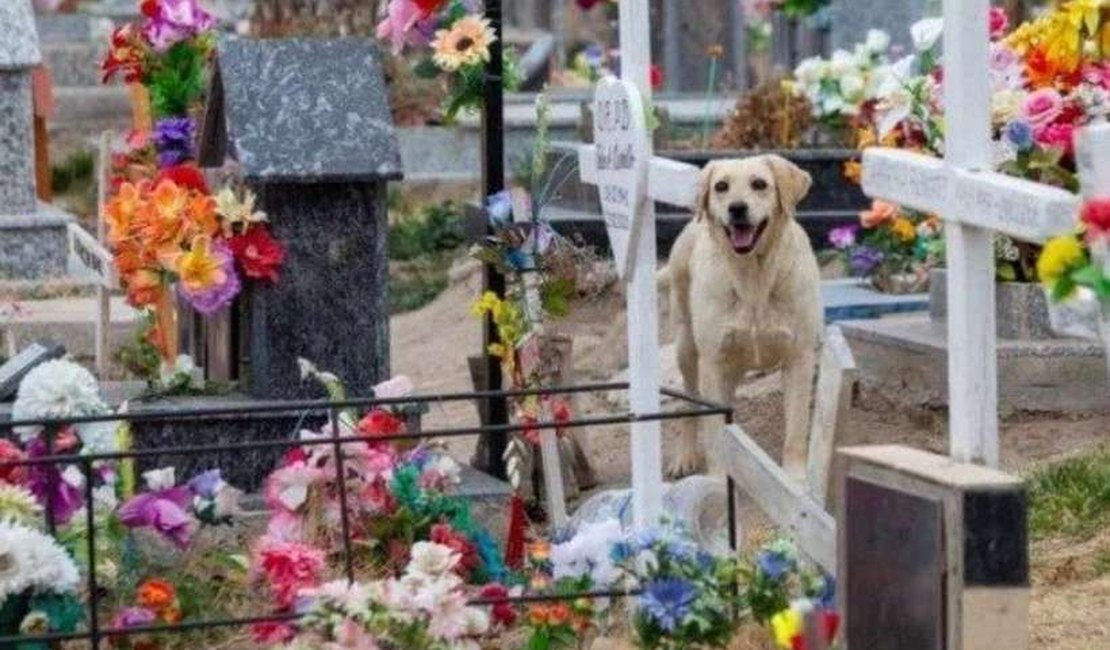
<point x="140" y="357"/>
<point x="436" y="229"/>
<point x="177" y="82"/>
<point x="1071" y="497"/>
<point x="801" y="8"/>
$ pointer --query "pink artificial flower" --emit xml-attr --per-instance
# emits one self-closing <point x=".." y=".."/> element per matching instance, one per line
<point x="287" y="488"/>
<point x="288" y="568"/>
<point x="172" y="21"/>
<point x="284" y="527"/>
<point x="1097" y="74"/>
<point x="350" y="635"/>
<point x="405" y="23"/>
<point x="1007" y="70"/>
<point x="271" y="634"/>
<point x="1057" y="136"/>
<point x="164" y="511"/>
<point x="1041" y="107"/>
<point x="1000" y="23"/>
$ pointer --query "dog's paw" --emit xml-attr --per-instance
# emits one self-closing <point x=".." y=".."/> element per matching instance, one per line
<point x="686" y="463"/>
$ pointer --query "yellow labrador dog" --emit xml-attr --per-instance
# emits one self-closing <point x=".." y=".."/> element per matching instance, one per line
<point x="745" y="295"/>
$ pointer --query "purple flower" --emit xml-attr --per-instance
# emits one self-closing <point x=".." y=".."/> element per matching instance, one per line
<point x="170" y="22"/>
<point x="1020" y="134"/>
<point x="162" y="510"/>
<point x="864" y="259"/>
<point x="843" y="237"/>
<point x="215" y="298"/>
<point x="60" y="492"/>
<point x="173" y="139"/>
<point x="774" y="564"/>
<point x="133" y="617"/>
<point x="206" y="484"/>
<point x="668" y="602"/>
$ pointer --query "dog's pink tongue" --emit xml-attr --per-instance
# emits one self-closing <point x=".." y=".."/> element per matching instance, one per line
<point x="742" y="236"/>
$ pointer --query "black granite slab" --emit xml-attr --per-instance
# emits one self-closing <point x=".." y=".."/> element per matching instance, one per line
<point x="301" y="111"/>
<point x="996" y="539"/>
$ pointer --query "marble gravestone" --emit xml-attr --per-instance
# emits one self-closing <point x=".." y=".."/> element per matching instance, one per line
<point x="32" y="234"/>
<point x="933" y="554"/>
<point x="307" y="126"/>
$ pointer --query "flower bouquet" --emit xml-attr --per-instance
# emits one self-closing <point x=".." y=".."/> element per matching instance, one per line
<point x="170" y="235"/>
<point x="892" y="247"/>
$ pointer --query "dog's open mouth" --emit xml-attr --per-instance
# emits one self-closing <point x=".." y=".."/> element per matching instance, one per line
<point x="745" y="238"/>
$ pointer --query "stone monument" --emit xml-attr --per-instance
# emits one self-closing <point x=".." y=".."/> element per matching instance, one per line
<point x="933" y="554"/>
<point x="307" y="126"/>
<point x="32" y="234"/>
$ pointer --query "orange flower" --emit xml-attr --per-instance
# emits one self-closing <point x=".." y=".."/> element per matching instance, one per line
<point x="559" y="614"/>
<point x="853" y="171"/>
<point x="200" y="269"/>
<point x="171" y="615"/>
<point x="880" y="213"/>
<point x="903" y="229"/>
<point x="202" y="214"/>
<point x="143" y="287"/>
<point x="1040" y="69"/>
<point x="156" y="594"/>
<point x="540" y="551"/>
<point x="120" y="211"/>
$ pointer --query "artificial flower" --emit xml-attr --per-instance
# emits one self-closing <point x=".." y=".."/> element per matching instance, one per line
<point x="1061" y="255"/>
<point x="405" y="23"/>
<point x="156" y="594"/>
<point x="133" y="617"/>
<point x="843" y="237"/>
<point x="238" y="213"/>
<point x="1060" y="136"/>
<point x="33" y="561"/>
<point x="433" y="560"/>
<point x="903" y="229"/>
<point x="787" y="626"/>
<point x="668" y="602"/>
<point x="162" y="508"/>
<point x="172" y="21"/>
<point x="465" y="43"/>
<point x="1020" y="134"/>
<point x="173" y="139"/>
<point x="125" y="56"/>
<point x="187" y="176"/>
<point x="10" y="454"/>
<point x="446" y="536"/>
<point x="56" y="389"/>
<point x="18" y="504"/>
<point x="999" y="23"/>
<point x="926" y="32"/>
<point x="380" y="422"/>
<point x="1042" y="107"/>
<point x="208" y="278"/>
<point x="502" y="613"/>
<point x="289" y="486"/>
<point x="395" y="387"/>
<point x="258" y="253"/>
<point x="499" y="208"/>
<point x="864" y="259"/>
<point x="776" y="560"/>
<point x="288" y="568"/>
<point x="880" y="212"/>
<point x="1096" y="217"/>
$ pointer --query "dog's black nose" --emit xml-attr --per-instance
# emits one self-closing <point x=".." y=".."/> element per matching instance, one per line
<point x="738" y="213"/>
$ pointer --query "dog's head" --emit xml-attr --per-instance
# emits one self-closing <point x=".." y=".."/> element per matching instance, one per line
<point x="747" y="197"/>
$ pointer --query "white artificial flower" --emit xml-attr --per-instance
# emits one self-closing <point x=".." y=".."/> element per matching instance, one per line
<point x="809" y="71"/>
<point x="18" y="504"/>
<point x="30" y="560"/>
<point x="56" y="389"/>
<point x="433" y="560"/>
<point x="399" y="386"/>
<point x="74" y="477"/>
<point x="877" y="41"/>
<point x="160" y="479"/>
<point x="841" y="63"/>
<point x="587" y="553"/>
<point x="1006" y="106"/>
<point x="926" y="32"/>
<point x="104" y="498"/>
<point x="852" y="86"/>
<point x="446" y="467"/>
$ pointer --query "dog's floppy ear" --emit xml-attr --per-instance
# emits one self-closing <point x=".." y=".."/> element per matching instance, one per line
<point x="705" y="186"/>
<point x="793" y="182"/>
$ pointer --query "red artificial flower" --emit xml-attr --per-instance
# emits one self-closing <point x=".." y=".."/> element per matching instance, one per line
<point x="586" y="5"/>
<point x="258" y="253"/>
<point x="1096" y="215"/>
<point x="380" y="422"/>
<point x="502" y="613"/>
<point x="1059" y="136"/>
<point x="429" y="7"/>
<point x="560" y="410"/>
<point x="657" y="78"/>
<point x="125" y="55"/>
<point x="446" y="536"/>
<point x="10" y="454"/>
<point x="295" y="456"/>
<point x="271" y="634"/>
<point x="830" y="624"/>
<point x="186" y="175"/>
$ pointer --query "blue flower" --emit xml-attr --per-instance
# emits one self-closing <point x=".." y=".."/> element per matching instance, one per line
<point x="499" y="208"/>
<point x="774" y="564"/>
<point x="595" y="56"/>
<point x="864" y="259"/>
<point x="206" y="484"/>
<point x="826" y="595"/>
<point x="668" y="602"/>
<point x="621" y="552"/>
<point x="520" y="259"/>
<point x="706" y="562"/>
<point x="1020" y="134"/>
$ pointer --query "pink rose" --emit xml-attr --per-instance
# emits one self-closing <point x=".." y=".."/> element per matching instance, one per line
<point x="1057" y="136"/>
<point x="1000" y="23"/>
<point x="1040" y="108"/>
<point x="1097" y="74"/>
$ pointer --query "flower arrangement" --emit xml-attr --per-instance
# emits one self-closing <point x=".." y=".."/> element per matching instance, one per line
<point x="1048" y="77"/>
<point x="454" y="39"/>
<point x="169" y="234"/>
<point x="893" y="247"/>
<point x="789" y="598"/>
<point x="689" y="598"/>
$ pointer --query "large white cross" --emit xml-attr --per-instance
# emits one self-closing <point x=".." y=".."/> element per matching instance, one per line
<point x="975" y="202"/>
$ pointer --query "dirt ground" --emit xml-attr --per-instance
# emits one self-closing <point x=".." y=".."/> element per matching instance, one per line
<point x="1070" y="601"/>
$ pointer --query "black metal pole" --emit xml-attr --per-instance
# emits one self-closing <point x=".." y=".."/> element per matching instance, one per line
<point x="493" y="178"/>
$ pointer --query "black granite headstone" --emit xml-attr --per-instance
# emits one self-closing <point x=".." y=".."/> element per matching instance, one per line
<point x="308" y="123"/>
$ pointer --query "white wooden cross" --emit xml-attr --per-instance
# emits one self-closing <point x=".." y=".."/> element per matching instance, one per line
<point x="630" y="180"/>
<point x="975" y="202"/>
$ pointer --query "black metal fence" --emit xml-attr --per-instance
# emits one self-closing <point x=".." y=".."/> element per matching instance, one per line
<point x="95" y="631"/>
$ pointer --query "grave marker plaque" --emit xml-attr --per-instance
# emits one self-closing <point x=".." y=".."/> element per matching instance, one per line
<point x="933" y="554"/>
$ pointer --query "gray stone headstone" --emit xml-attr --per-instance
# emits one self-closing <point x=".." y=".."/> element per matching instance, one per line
<point x="851" y="19"/>
<point x="933" y="553"/>
<point x="309" y="124"/>
<point x="19" y="53"/>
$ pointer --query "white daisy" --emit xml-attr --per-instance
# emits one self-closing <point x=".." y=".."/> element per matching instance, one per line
<point x="33" y="560"/>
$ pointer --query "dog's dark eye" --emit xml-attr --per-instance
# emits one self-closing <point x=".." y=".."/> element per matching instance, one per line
<point x="721" y="186"/>
<point x="758" y="184"/>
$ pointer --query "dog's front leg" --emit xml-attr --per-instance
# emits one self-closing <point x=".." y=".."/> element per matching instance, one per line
<point x="797" y="377"/>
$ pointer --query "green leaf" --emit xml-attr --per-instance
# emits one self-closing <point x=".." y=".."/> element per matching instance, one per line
<point x="1006" y="272"/>
<point x="426" y="69"/>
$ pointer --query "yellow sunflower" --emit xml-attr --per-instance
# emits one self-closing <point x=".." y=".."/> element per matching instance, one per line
<point x="466" y="43"/>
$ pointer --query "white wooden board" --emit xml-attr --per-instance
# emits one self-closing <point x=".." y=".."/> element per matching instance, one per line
<point x="88" y="258"/>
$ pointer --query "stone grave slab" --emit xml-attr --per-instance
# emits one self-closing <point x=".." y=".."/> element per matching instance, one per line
<point x="905" y="358"/>
<point x="933" y="554"/>
<point x="852" y="299"/>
